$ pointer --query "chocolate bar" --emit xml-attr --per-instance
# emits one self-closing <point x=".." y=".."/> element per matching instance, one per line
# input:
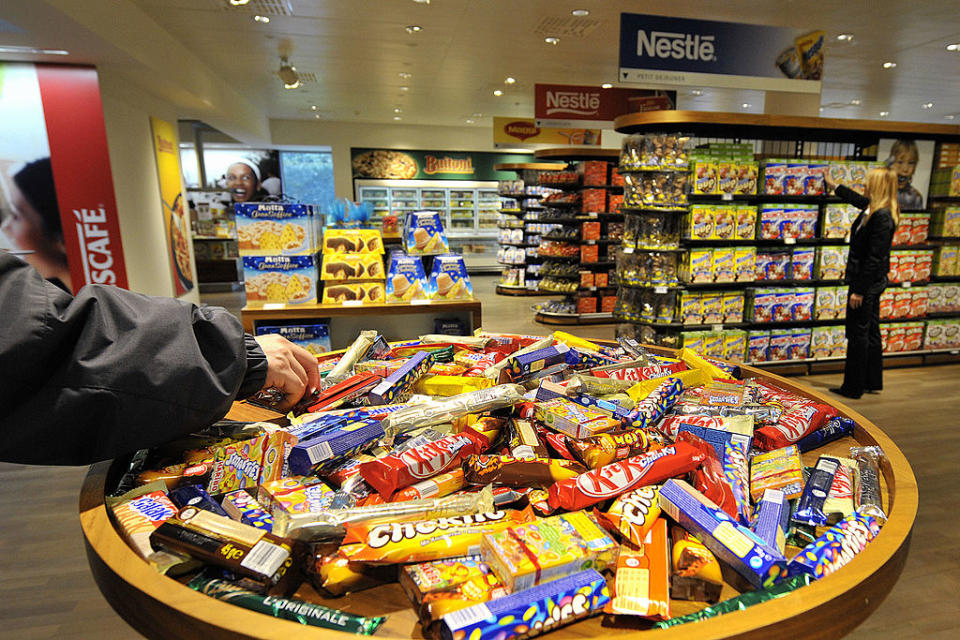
<point x="195" y="496"/>
<point x="815" y="491"/>
<point x="343" y="440"/>
<point x="348" y="389"/>
<point x="550" y="390"/>
<point x="835" y="429"/>
<point x="541" y="609"/>
<point x="520" y="365"/>
<point x="731" y="542"/>
<point x="836" y="547"/>
<point x="397" y="385"/>
<point x="574" y="420"/>
<point x="518" y="472"/>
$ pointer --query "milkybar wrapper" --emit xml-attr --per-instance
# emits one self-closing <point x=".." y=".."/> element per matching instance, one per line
<point x="632" y="514"/>
<point x="137" y="519"/>
<point x="641" y="586"/>
<point x="518" y="472"/>
<point x="396" y="386"/>
<point x="425" y="540"/>
<point x="600" y="450"/>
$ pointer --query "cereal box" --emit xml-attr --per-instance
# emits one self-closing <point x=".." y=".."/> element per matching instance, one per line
<point x="800" y="344"/>
<point x="724" y="222"/>
<point x="762" y="305"/>
<point x="705" y="176"/>
<point x="912" y="336"/>
<point x="781" y="341"/>
<point x="406" y="279"/>
<point x="773" y="176"/>
<point x="825" y="305"/>
<point x="802" y="305"/>
<point x="735" y="345"/>
<point x="746" y="225"/>
<point x="700" y="265"/>
<point x="802" y="261"/>
<point x="351" y="267"/>
<point x="315" y="338"/>
<point x="266" y="229"/>
<point x="820" y="338"/>
<point x="713" y="344"/>
<point x="690" y="308"/>
<point x="813" y="182"/>
<point x="733" y="307"/>
<point x="449" y="279"/>
<point x="783" y="305"/>
<point x="771" y="217"/>
<point x="711" y="307"/>
<point x="831" y="262"/>
<point x="280" y="279"/>
<point x="744" y="259"/>
<point x="794" y="177"/>
<point x="424" y="235"/>
<point x="700" y="225"/>
<point x="747" y="177"/>
<point x="693" y="340"/>
<point x="758" y="342"/>
<point x="724" y="264"/>
<point x="728" y="175"/>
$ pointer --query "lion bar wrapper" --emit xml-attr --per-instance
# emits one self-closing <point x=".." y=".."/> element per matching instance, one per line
<point x="531" y="612"/>
<point x="732" y="543"/>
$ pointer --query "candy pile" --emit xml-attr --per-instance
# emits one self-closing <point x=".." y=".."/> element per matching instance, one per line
<point x="510" y="484"/>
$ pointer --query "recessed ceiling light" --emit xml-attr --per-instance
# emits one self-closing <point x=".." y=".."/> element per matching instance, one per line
<point x="884" y="114"/>
<point x="949" y="117"/>
<point x="745" y="105"/>
<point x="263" y="19"/>
<point x="953" y="47"/>
<point x="552" y="40"/>
<point x="580" y="12"/>
<point x="606" y="85"/>
<point x="510" y="80"/>
<point x="422" y="1"/>
<point x="313" y="107"/>
<point x="239" y="3"/>
<point x="927" y="105"/>
<point x="404" y="88"/>
<point x="476" y="115"/>
<point x="498" y="93"/>
<point x="34" y="50"/>
<point x="398" y="110"/>
<point x="397" y="118"/>
<point x="317" y="116"/>
<point x="889" y="65"/>
<point x="414" y="28"/>
<point x="845" y="37"/>
<point x="404" y="75"/>
<point x="855" y="102"/>
<point x="821" y="109"/>
<point x="696" y="92"/>
<point x="469" y="121"/>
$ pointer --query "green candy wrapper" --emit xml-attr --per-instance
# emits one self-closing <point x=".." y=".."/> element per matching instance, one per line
<point x="740" y="602"/>
<point x="297" y="610"/>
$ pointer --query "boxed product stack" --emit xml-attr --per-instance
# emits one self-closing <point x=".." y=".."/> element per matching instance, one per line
<point x="788" y="222"/>
<point x="828" y="342"/>
<point x="945" y="222"/>
<point x="711" y="307"/>
<point x="943" y="298"/>
<point x="912" y="229"/>
<point x="942" y="334"/>
<point x="831" y="262"/>
<point x="897" y="304"/>
<point x="352" y="268"/>
<point x="912" y="266"/>
<point x="315" y="338"/>
<point x="946" y="260"/>
<point x="902" y="336"/>
<point x="793" y="177"/>
<point x="838" y="219"/>
<point x="724" y="168"/>
<point x="945" y="181"/>
<point x="720" y="264"/>
<point x="830" y="303"/>
<point x="777" y="345"/>
<point x="780" y="305"/>
<point x="729" y="344"/>
<point x="720" y="222"/>
<point x="278" y="244"/>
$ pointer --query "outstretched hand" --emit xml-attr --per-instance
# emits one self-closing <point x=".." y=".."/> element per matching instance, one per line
<point x="291" y="369"/>
<point x="830" y="182"/>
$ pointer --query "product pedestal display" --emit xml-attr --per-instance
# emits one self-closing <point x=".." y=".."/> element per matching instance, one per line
<point x="580" y="252"/>
<point x="751" y="266"/>
<point x="472" y="509"/>
<point x="519" y="227"/>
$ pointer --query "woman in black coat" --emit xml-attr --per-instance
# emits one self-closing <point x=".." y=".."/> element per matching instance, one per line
<point x="866" y="276"/>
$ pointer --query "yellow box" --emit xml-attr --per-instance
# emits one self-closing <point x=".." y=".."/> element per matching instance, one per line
<point x="353" y="292"/>
<point x="352" y="267"/>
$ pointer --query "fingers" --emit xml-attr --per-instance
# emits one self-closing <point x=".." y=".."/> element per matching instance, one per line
<point x="309" y="364"/>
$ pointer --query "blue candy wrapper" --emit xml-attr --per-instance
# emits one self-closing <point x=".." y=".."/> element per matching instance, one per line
<point x="773" y="519"/>
<point x="341" y="441"/>
<point x="815" y="492"/>
<point x="240" y="506"/>
<point x="836" y="547"/>
<point x="524" y="364"/>
<point x="549" y="390"/>
<point x="193" y="495"/>
<point x="532" y="611"/>
<point x="835" y="429"/>
<point x="397" y="384"/>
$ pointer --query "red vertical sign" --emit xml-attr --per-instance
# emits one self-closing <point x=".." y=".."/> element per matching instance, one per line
<point x="80" y="159"/>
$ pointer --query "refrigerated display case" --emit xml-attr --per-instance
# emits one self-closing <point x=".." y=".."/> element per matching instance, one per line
<point x="469" y="210"/>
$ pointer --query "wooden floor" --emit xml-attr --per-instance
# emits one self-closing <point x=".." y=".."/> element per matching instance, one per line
<point x="46" y="590"/>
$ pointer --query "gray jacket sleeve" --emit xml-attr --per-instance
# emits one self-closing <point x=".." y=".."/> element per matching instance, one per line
<point x="111" y="371"/>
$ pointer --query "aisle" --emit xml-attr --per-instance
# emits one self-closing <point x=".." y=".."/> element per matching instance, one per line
<point x="46" y="590"/>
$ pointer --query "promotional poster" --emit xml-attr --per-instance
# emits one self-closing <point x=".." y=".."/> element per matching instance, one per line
<point x="175" y="222"/>
<point x="913" y="161"/>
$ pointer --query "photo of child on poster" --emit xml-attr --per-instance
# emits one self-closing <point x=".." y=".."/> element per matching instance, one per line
<point x="246" y="175"/>
<point x="912" y="161"/>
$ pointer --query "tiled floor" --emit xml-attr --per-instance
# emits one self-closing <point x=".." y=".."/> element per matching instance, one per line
<point x="46" y="590"/>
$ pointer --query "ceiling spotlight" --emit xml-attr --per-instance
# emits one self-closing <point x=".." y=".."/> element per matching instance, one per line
<point x="510" y="80"/>
<point x="288" y="74"/>
<point x="927" y="105"/>
<point x="469" y="121"/>
<point x="398" y="110"/>
<point x="606" y="85"/>
<point x="884" y="114"/>
<point x="696" y="92"/>
<point x="845" y="37"/>
<point x="821" y="109"/>
<point x="404" y="88"/>
<point x="552" y="40"/>
<point x="949" y="117"/>
<point x="414" y="28"/>
<point x="889" y="65"/>
<point x="404" y="75"/>
<point x="476" y="115"/>
<point x="239" y="3"/>
<point x="397" y="118"/>
<point x="422" y="1"/>
<point x="953" y="47"/>
<point x="317" y="116"/>
<point x="497" y="92"/>
<point x="580" y="12"/>
<point x="313" y="107"/>
<point x="33" y="50"/>
<point x="745" y="105"/>
<point x="261" y="19"/>
<point x="855" y="102"/>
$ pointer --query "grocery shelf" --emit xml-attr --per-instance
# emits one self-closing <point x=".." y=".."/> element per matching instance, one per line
<point x="549" y="317"/>
<point x="771" y="242"/>
<point x="944" y="238"/>
<point x="629" y="250"/>
<point x="577" y="153"/>
<point x="944" y="278"/>
<point x="197" y="236"/>
<point x="761" y="198"/>
<point x="513" y="290"/>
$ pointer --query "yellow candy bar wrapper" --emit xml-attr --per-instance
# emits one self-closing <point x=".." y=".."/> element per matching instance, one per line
<point x="694" y="361"/>
<point x="632" y="514"/>
<point x="689" y="378"/>
<point x="450" y="385"/>
<point x="575" y="342"/>
<point x="338" y="576"/>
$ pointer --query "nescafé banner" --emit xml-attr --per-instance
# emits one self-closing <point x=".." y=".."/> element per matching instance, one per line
<point x="405" y="164"/>
<point x="176" y="224"/>
<point x="58" y="203"/>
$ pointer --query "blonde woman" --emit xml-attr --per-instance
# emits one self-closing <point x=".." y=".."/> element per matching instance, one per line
<point x="866" y="276"/>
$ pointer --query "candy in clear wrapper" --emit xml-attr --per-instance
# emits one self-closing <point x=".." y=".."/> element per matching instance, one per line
<point x="337" y="576"/>
<point x="350" y="357"/>
<point x="531" y="612"/>
<point x="839" y="503"/>
<point x="869" y="498"/>
<point x="778" y="469"/>
<point x="305" y="613"/>
<point x="600" y="450"/>
<point x="648" y="411"/>
<point x="440" y="411"/>
<point x="836" y="547"/>
<point x="696" y="572"/>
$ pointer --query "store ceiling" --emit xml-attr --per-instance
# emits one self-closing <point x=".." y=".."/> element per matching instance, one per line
<point x="353" y="53"/>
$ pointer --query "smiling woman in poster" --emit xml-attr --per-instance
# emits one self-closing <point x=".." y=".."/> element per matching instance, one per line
<point x="243" y="182"/>
<point x="30" y="219"/>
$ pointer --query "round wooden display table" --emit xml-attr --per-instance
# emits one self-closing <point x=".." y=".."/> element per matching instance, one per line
<point x="162" y="607"/>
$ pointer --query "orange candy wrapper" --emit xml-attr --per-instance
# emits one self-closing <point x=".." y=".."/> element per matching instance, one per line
<point x="632" y="514"/>
<point x="642" y="583"/>
<point x="425" y="540"/>
<point x="696" y="572"/>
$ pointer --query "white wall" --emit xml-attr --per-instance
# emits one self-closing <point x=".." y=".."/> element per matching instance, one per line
<point x="127" y="112"/>
<point x="340" y="136"/>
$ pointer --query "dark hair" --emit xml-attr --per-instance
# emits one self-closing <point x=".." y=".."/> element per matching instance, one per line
<point x="35" y="181"/>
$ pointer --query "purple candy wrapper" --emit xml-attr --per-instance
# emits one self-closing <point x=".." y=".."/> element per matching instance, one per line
<point x="393" y="387"/>
<point x="836" y="547"/>
<point x="773" y="519"/>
